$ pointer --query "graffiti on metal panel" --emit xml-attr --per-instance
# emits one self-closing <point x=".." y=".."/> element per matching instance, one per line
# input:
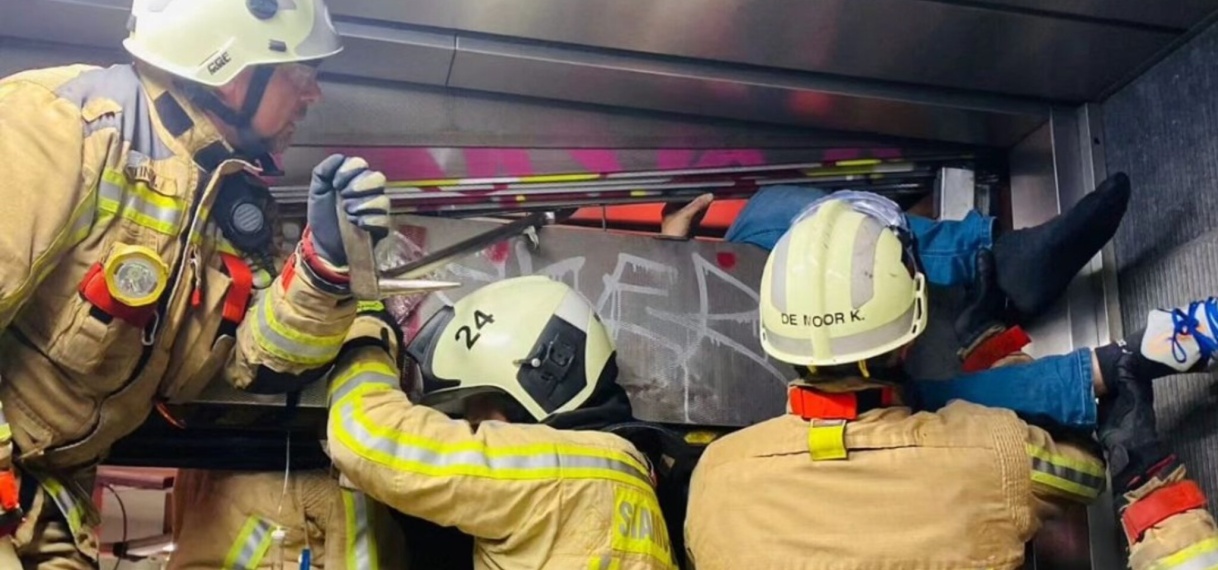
<point x="682" y="322"/>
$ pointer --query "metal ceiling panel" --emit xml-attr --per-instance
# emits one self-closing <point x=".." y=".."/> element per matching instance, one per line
<point x="100" y="23"/>
<point x="913" y="41"/>
<point x="706" y="89"/>
<point x="1178" y="14"/>
<point x="394" y="54"/>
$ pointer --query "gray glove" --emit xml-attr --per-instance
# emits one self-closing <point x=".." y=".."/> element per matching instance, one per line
<point x="362" y="192"/>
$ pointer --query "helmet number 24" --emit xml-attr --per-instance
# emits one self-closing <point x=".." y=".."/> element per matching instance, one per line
<point x="481" y="319"/>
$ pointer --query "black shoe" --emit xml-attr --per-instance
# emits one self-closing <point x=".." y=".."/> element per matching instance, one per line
<point x="1035" y="265"/>
<point x="1127" y="429"/>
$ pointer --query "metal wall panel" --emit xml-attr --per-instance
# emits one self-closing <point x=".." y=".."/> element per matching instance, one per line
<point x="1051" y="171"/>
<point x="1179" y="14"/>
<point x="1160" y="130"/>
<point x="895" y="40"/>
<point x="720" y="91"/>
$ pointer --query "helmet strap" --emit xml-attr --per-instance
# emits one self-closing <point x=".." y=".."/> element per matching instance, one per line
<point x="248" y="142"/>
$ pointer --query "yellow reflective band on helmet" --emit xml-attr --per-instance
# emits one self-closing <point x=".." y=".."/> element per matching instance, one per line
<point x="412" y="453"/>
<point x="1074" y="477"/>
<point x="137" y="203"/>
<point x="251" y="545"/>
<point x="361" y="548"/>
<point x="289" y="344"/>
<point x="135" y="275"/>
<point x="1200" y="556"/>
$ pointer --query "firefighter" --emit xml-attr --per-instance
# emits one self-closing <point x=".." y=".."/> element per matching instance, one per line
<point x="133" y="262"/>
<point x="528" y="367"/>
<point x="851" y="478"/>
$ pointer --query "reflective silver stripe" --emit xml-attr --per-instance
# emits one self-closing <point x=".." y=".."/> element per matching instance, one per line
<point x="1203" y="561"/>
<point x="364" y="378"/>
<point x="314" y="351"/>
<point x="778" y="278"/>
<point x="862" y="263"/>
<point x="126" y="201"/>
<point x="251" y="545"/>
<point x="1092" y="485"/>
<point x="361" y="551"/>
<point x="849" y="344"/>
<point x="66" y="502"/>
<point x="412" y="453"/>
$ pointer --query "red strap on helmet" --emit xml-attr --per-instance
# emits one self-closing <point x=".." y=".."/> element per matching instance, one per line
<point x="93" y="288"/>
<point x="996" y="348"/>
<point x="1159" y="506"/>
<point x="237" y="301"/>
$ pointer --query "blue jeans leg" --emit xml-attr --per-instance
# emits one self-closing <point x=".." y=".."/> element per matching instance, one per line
<point x="769" y="213"/>
<point x="948" y="249"/>
<point x="1054" y="390"/>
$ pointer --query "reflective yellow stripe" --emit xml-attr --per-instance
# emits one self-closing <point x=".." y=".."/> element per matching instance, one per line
<point x="416" y="454"/>
<point x="67" y="503"/>
<point x="292" y="345"/>
<point x="251" y="545"/>
<point x="1081" y="478"/>
<point x="606" y="562"/>
<point x="1200" y="556"/>
<point x="77" y="229"/>
<point x="137" y="203"/>
<point x="369" y="306"/>
<point x="361" y="548"/>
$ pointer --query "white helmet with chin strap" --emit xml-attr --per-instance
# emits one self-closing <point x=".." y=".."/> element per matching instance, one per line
<point x="207" y="43"/>
<point x="532" y="339"/>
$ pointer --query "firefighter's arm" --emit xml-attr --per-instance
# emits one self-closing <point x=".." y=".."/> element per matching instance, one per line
<point x="1167" y="524"/>
<point x="292" y="331"/>
<point x="415" y="459"/>
<point x="1062" y="472"/>
<point x="42" y="185"/>
<point x="422" y="463"/>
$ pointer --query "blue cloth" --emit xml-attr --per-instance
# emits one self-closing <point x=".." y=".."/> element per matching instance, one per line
<point x="1053" y="390"/>
<point x="947" y="249"/>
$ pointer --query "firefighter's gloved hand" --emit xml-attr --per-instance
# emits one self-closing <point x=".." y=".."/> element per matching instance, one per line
<point x="1127" y="428"/>
<point x="982" y="327"/>
<point x="362" y="193"/>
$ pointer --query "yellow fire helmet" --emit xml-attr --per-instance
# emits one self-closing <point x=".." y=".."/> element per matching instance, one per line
<point x="841" y="286"/>
<point x="532" y="338"/>
<point x="211" y="41"/>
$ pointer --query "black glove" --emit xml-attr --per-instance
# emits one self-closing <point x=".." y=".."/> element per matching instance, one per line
<point x="375" y="326"/>
<point x="1127" y="430"/>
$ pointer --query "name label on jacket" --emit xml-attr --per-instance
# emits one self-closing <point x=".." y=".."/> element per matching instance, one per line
<point x="638" y="525"/>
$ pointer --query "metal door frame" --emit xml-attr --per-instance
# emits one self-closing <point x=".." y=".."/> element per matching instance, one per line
<point x="1051" y="170"/>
